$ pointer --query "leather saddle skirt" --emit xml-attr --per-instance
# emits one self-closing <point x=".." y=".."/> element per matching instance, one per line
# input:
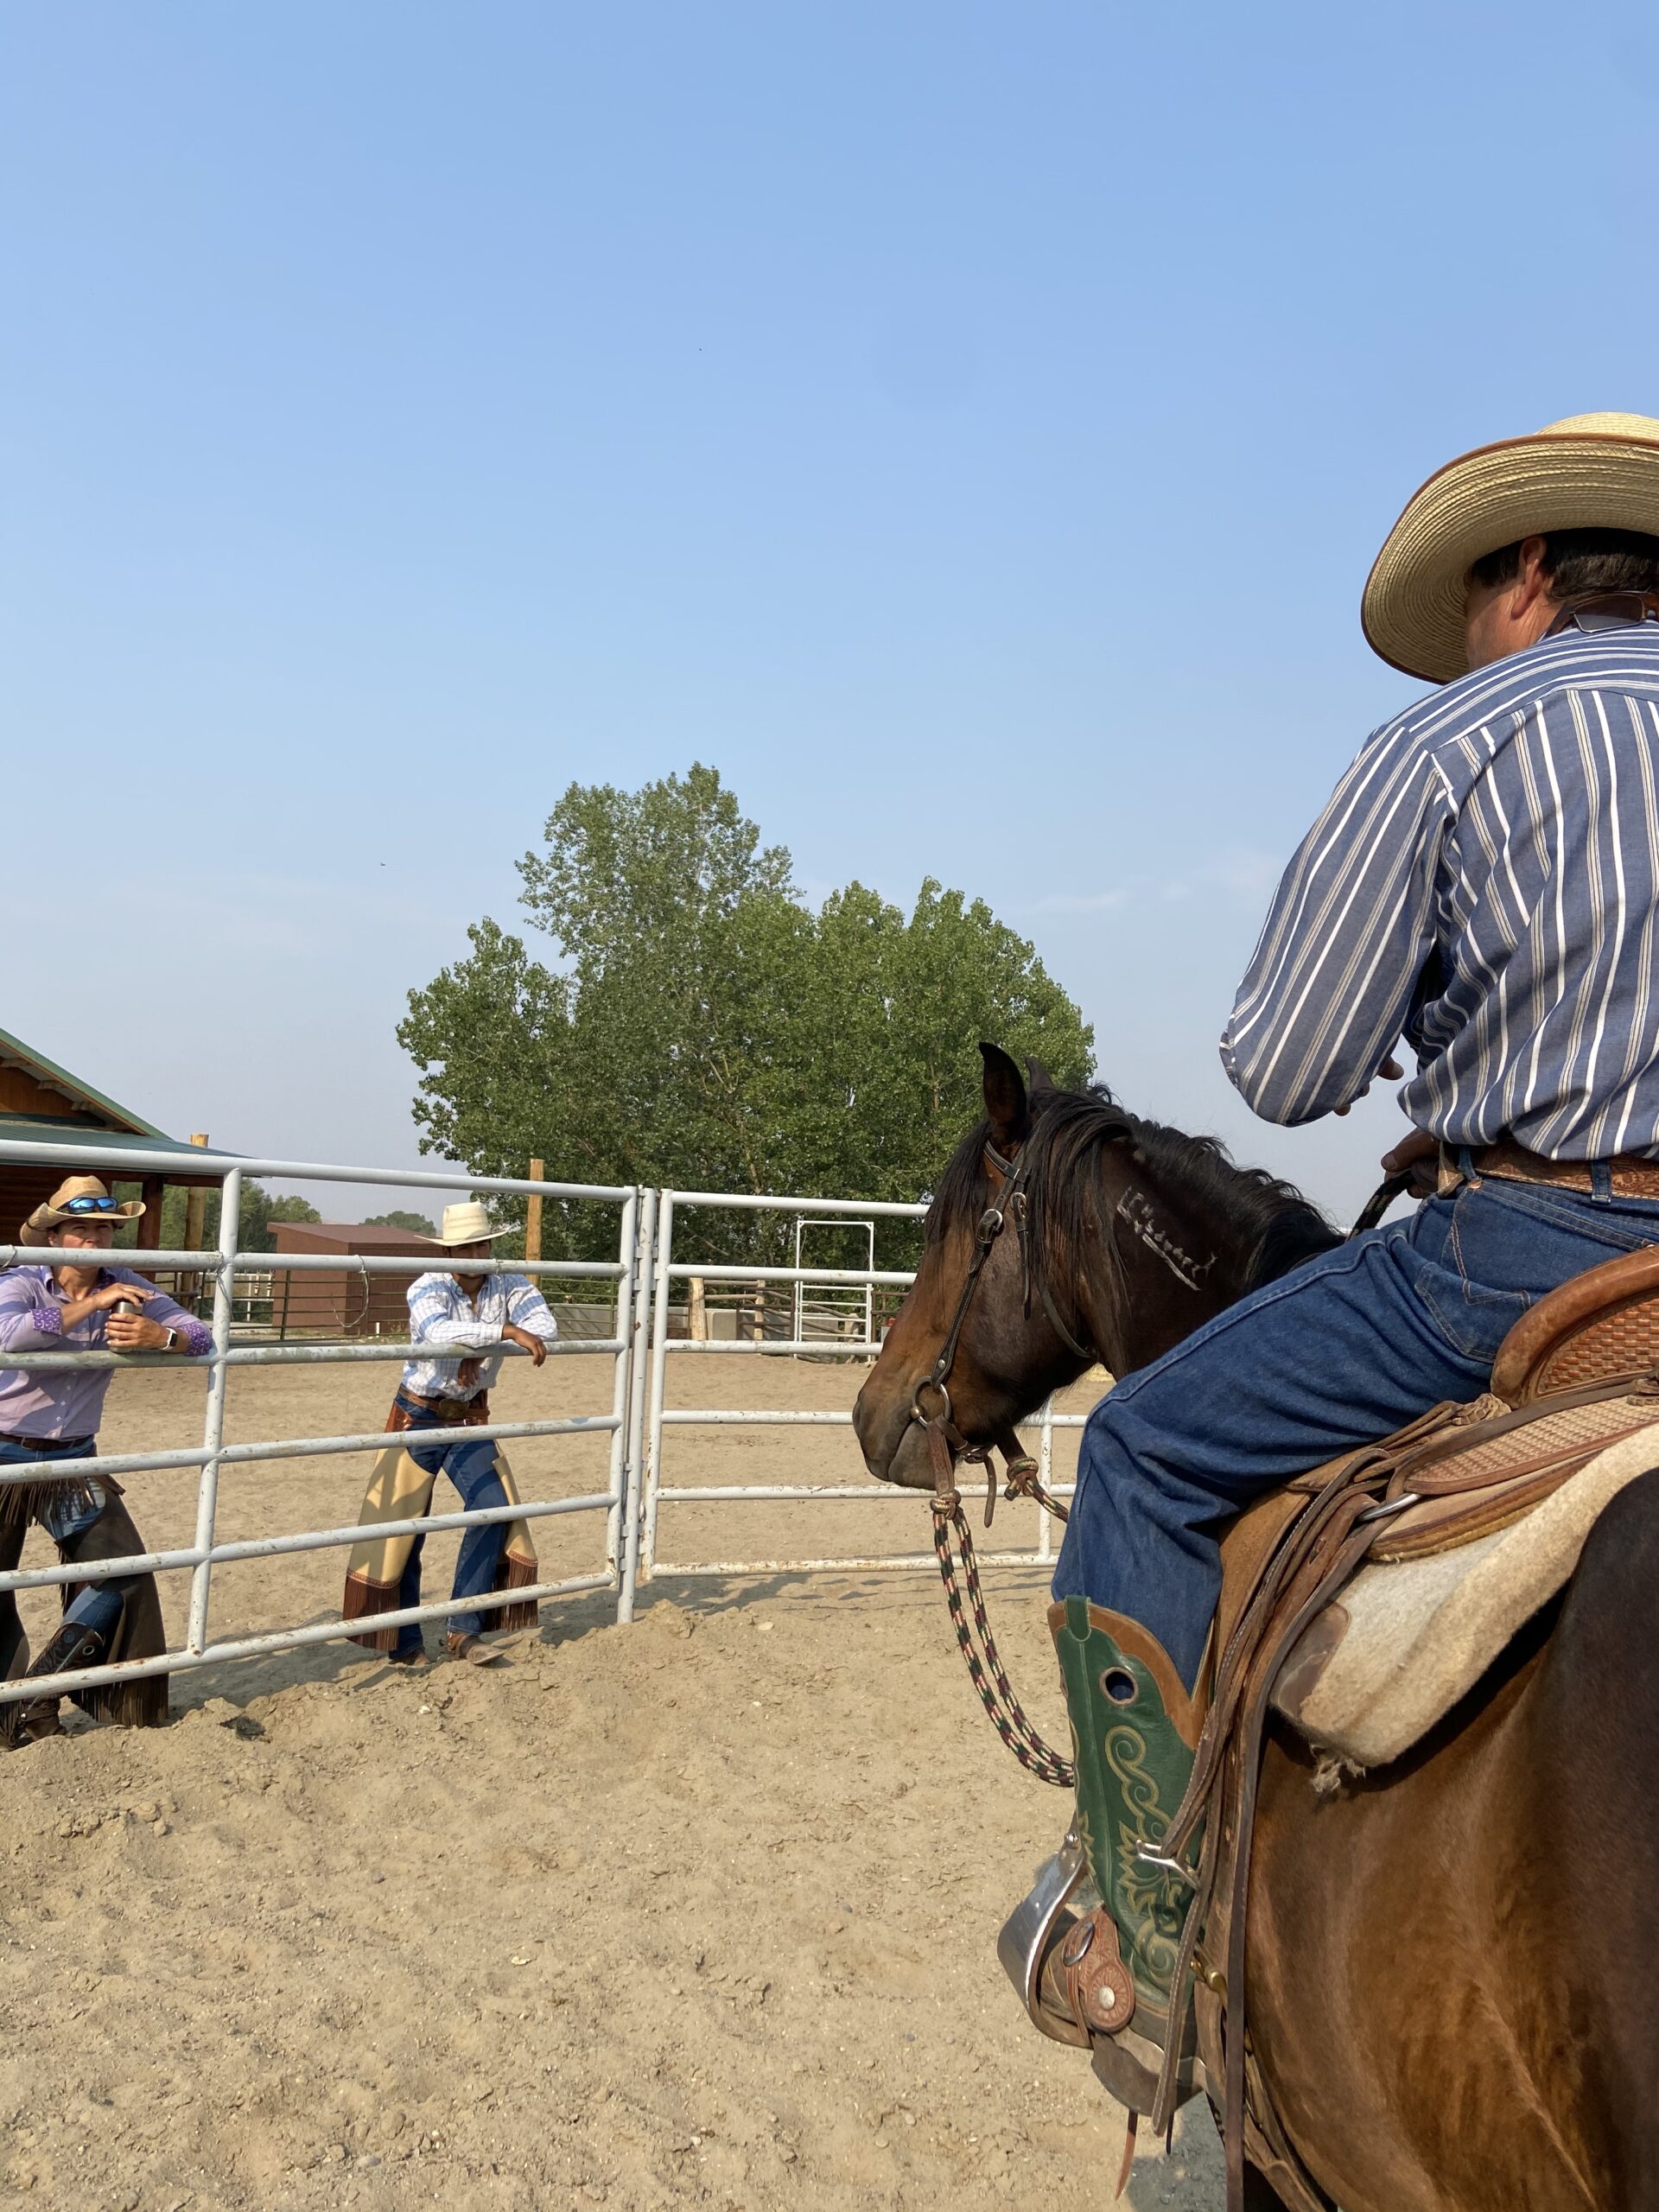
<point x="1484" y="1512"/>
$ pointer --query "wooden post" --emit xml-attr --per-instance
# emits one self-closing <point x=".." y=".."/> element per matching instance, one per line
<point x="696" y="1311"/>
<point x="195" y="1213"/>
<point x="195" y="1234"/>
<point x="533" y="1214"/>
<point x="758" y="1312"/>
<point x="153" y="1192"/>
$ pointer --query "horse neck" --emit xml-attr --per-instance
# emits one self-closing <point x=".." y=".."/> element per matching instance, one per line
<point x="1159" y="1265"/>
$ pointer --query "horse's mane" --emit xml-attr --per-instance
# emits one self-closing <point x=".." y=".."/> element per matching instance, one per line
<point x="1261" y="1226"/>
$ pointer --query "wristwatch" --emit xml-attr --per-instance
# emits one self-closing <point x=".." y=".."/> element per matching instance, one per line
<point x="172" y="1338"/>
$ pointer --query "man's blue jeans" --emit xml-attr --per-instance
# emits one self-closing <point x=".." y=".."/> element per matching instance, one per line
<point x="1347" y="1346"/>
<point x="471" y="1468"/>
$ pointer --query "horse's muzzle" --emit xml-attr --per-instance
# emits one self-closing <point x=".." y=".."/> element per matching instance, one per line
<point x="894" y="1448"/>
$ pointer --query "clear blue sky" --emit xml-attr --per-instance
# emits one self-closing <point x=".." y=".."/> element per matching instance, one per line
<point x="969" y="427"/>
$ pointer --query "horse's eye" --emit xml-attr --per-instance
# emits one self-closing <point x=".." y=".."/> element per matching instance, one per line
<point x="1119" y="1685"/>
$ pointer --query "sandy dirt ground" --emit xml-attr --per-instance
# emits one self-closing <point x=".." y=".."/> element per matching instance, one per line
<point x="697" y="1911"/>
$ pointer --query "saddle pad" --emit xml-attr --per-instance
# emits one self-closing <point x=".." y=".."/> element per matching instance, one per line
<point x="1405" y="1640"/>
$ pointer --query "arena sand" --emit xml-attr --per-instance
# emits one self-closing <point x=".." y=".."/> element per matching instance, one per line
<point x="700" y="1911"/>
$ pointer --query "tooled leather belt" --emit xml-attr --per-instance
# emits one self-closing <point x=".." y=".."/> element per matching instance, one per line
<point x="453" y="1411"/>
<point x="1632" y="1175"/>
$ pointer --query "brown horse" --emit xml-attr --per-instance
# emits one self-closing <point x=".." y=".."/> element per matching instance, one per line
<point x="1451" y="1973"/>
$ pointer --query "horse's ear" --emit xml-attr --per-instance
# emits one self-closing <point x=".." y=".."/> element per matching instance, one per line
<point x="1005" y="1097"/>
<point x="1038" y="1076"/>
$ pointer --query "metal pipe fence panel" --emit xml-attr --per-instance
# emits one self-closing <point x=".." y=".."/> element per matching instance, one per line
<point x="637" y="1422"/>
<point x="662" y="1418"/>
<point x="206" y="1550"/>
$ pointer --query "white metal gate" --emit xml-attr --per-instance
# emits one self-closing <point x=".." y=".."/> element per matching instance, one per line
<point x="622" y="1421"/>
<point x="667" y="1271"/>
<point x="842" y="1310"/>
<point x="638" y="1419"/>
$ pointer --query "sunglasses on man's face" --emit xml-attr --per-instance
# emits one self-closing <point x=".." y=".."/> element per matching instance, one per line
<point x="90" y="1205"/>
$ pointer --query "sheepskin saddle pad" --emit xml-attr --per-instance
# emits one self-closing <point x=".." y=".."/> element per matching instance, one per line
<point x="1486" y="1511"/>
<point x="1437" y="1603"/>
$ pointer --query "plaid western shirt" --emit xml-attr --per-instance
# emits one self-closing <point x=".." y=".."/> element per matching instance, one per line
<point x="441" y="1314"/>
<point x="1484" y="882"/>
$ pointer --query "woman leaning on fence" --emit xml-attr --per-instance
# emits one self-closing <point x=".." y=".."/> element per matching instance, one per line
<point x="53" y="1415"/>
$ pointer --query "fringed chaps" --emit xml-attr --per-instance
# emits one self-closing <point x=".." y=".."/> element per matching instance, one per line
<point x="399" y="1489"/>
<point x="139" y="1633"/>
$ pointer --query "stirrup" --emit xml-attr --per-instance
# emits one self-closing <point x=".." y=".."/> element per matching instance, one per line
<point x="1046" y="1947"/>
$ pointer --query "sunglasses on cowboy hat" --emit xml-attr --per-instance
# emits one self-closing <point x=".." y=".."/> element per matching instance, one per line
<point x="82" y="1198"/>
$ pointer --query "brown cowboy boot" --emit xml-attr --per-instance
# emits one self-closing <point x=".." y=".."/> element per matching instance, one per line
<point x="26" y="1720"/>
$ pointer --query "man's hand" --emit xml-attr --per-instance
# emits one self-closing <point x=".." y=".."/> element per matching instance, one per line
<point x="1390" y="1071"/>
<point x="131" y="1333"/>
<point x="1418" y="1158"/>
<point x="510" y="1334"/>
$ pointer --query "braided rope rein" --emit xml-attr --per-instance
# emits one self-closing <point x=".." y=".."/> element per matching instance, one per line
<point x="1003" y="1709"/>
<point x="1023" y="1482"/>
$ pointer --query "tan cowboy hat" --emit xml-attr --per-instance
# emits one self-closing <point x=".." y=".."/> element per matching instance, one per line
<point x="469" y="1223"/>
<point x="83" y="1198"/>
<point x="1587" y="472"/>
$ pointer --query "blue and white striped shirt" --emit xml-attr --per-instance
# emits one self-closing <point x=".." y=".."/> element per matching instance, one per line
<point x="441" y="1314"/>
<point x="1484" y="882"/>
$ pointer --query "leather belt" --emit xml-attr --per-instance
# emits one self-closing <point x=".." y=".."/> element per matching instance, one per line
<point x="68" y="1447"/>
<point x="1632" y="1174"/>
<point x="451" y="1411"/>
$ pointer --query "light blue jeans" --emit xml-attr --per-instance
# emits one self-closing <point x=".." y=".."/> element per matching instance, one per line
<point x="1344" y="1349"/>
<point x="471" y="1468"/>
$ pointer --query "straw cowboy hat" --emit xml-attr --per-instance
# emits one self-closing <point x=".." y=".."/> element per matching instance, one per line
<point x="469" y="1223"/>
<point x="1587" y="472"/>
<point x="83" y="1198"/>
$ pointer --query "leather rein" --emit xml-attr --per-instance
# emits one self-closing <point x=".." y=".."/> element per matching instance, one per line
<point x="949" y="1449"/>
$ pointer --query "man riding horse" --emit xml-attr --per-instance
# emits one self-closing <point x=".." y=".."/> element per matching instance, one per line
<point x="1485" y="882"/>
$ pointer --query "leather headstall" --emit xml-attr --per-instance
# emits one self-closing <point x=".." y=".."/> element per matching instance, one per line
<point x="945" y="1441"/>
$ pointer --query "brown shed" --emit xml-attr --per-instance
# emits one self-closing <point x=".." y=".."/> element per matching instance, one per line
<point x="320" y="1301"/>
<point x="42" y="1104"/>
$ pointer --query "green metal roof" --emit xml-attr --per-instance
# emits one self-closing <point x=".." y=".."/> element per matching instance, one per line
<point x="13" y="1049"/>
<point x="23" y="1129"/>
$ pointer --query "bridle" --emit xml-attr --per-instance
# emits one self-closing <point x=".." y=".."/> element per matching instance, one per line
<point x="949" y="1449"/>
<point x="946" y="1443"/>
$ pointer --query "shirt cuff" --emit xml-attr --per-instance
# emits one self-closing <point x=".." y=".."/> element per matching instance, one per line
<point x="38" y="1328"/>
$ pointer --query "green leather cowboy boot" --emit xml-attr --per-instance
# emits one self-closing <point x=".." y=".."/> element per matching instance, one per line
<point x="1134" y="1730"/>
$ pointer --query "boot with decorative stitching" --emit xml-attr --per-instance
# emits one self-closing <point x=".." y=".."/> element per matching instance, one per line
<point x="1134" y="1731"/>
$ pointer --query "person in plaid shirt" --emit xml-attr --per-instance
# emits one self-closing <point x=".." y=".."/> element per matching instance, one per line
<point x="461" y="1324"/>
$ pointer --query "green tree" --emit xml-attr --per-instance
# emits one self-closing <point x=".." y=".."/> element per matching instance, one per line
<point x="705" y="1028"/>
<point x="415" y="1223"/>
<point x="258" y="1212"/>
